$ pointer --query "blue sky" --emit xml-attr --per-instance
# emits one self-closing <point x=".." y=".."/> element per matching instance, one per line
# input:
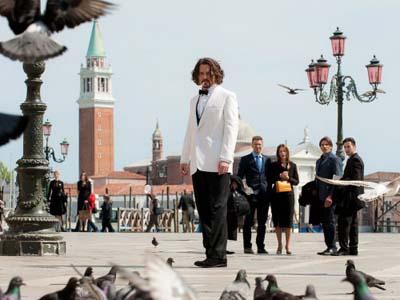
<point x="153" y="46"/>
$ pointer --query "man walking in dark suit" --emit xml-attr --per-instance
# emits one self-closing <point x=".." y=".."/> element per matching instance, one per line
<point x="327" y="166"/>
<point x="347" y="202"/>
<point x="254" y="168"/>
<point x="186" y="203"/>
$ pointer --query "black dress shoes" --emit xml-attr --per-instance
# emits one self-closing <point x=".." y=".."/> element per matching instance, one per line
<point x="230" y="252"/>
<point x="341" y="252"/>
<point x="248" y="251"/>
<point x="262" y="251"/>
<point x="211" y="263"/>
<point x="327" y="251"/>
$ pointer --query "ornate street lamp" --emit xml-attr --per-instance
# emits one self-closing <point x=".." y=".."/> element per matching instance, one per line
<point x="341" y="85"/>
<point x="31" y="230"/>
<point x="49" y="151"/>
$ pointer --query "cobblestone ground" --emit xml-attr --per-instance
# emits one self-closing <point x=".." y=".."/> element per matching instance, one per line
<point x="379" y="256"/>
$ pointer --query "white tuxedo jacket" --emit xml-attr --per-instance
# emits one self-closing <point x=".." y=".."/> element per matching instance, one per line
<point x="214" y="138"/>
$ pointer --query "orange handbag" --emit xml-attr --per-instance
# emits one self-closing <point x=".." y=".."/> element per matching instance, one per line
<point x="283" y="186"/>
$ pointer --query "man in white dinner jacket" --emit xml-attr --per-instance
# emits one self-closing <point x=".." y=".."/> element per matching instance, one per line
<point x="207" y="154"/>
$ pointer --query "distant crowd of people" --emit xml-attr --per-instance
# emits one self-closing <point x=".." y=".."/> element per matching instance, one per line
<point x="87" y="205"/>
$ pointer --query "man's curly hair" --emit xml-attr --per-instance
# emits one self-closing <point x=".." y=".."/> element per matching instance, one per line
<point x="217" y="74"/>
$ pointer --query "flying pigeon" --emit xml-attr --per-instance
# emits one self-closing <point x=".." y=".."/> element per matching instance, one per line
<point x="238" y="289"/>
<point x="170" y="261"/>
<point x="291" y="91"/>
<point x="89" y="274"/>
<point x="163" y="282"/>
<point x="68" y="292"/>
<point x="14" y="289"/>
<point x="372" y="93"/>
<point x="374" y="190"/>
<point x="11" y="127"/>
<point x="87" y="289"/>
<point x="309" y="294"/>
<point x="154" y="242"/>
<point x="33" y="29"/>
<point x="137" y="289"/>
<point x="370" y="280"/>
<point x="361" y="291"/>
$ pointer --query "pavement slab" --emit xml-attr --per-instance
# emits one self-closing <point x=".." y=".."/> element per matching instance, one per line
<point x="379" y="255"/>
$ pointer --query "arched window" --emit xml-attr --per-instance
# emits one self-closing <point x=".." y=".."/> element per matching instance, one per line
<point x="102" y="84"/>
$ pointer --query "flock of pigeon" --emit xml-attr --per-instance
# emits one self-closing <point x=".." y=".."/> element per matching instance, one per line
<point x="162" y="282"/>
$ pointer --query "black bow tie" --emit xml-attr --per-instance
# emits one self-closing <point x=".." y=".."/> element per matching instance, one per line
<point x="203" y="92"/>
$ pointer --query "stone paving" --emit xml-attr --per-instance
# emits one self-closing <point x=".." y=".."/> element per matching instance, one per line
<point x="379" y="256"/>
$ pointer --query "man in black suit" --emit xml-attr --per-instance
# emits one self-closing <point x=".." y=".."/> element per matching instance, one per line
<point x="253" y="168"/>
<point x="347" y="202"/>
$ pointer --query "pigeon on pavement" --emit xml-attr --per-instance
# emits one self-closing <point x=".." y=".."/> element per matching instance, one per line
<point x="14" y="289"/>
<point x="170" y="261"/>
<point x="309" y="294"/>
<point x="67" y="293"/>
<point x="154" y="242"/>
<point x="274" y="292"/>
<point x="370" y="280"/>
<point x="33" y="29"/>
<point x="361" y="291"/>
<point x="11" y="126"/>
<point x="239" y="289"/>
<point x="259" y="290"/>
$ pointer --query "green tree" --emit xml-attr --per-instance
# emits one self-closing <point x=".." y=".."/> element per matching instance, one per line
<point x="5" y="174"/>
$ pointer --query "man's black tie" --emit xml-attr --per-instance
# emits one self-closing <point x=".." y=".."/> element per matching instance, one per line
<point x="203" y="92"/>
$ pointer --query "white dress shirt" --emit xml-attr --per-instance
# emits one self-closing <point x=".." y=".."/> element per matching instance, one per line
<point x="203" y="100"/>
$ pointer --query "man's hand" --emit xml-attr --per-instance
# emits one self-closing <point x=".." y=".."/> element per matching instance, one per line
<point x="328" y="201"/>
<point x="223" y="167"/>
<point x="184" y="169"/>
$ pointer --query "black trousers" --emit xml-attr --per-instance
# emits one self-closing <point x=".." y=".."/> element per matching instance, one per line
<point x="348" y="232"/>
<point x="212" y="191"/>
<point x="329" y="226"/>
<point x="106" y="224"/>
<point x="261" y="205"/>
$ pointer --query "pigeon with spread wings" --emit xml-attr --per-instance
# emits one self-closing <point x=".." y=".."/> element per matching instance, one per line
<point x="291" y="91"/>
<point x="373" y="190"/>
<point x="33" y="29"/>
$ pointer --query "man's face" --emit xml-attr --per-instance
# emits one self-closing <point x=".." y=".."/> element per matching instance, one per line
<point x="257" y="146"/>
<point x="325" y="147"/>
<point x="205" y="77"/>
<point x="349" y="148"/>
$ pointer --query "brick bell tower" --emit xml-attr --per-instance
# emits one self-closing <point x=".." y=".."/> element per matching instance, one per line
<point x="96" y="110"/>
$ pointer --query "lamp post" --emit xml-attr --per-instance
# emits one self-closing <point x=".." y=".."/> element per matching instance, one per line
<point x="31" y="229"/>
<point x="49" y="151"/>
<point x="317" y="74"/>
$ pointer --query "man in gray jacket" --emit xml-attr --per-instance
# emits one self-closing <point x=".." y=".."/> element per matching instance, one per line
<point x="327" y="166"/>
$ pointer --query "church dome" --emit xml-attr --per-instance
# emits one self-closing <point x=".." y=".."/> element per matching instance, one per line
<point x="245" y="134"/>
